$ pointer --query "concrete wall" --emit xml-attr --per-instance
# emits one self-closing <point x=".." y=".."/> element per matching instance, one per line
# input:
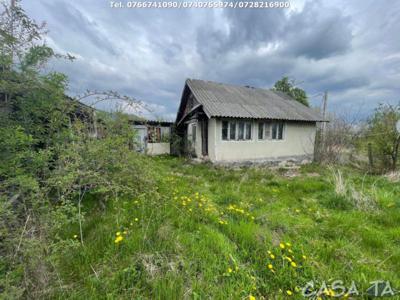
<point x="158" y="148"/>
<point x="298" y="140"/>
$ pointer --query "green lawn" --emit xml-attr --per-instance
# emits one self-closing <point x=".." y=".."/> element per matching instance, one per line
<point x="208" y="232"/>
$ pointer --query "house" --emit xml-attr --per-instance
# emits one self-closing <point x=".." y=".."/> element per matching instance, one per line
<point x="227" y="123"/>
<point x="153" y="137"/>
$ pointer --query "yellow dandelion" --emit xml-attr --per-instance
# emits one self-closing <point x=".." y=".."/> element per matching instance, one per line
<point x="282" y="245"/>
<point x="293" y="264"/>
<point x="304" y="257"/>
<point x="288" y="258"/>
<point x="289" y="292"/>
<point x="269" y="252"/>
<point x="118" y="233"/>
<point x="290" y="251"/>
<point x="270" y="266"/>
<point x="289" y="244"/>
<point x="136" y="219"/>
<point x="75" y="236"/>
<point x="272" y="256"/>
<point x="118" y="239"/>
<point x="251" y="297"/>
<point x="230" y="270"/>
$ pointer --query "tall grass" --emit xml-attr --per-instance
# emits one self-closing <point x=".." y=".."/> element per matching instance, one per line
<point x="214" y="233"/>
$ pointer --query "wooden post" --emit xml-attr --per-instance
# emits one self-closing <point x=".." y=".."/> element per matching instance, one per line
<point x="321" y="148"/>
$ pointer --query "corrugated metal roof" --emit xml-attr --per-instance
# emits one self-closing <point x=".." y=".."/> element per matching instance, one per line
<point x="223" y="100"/>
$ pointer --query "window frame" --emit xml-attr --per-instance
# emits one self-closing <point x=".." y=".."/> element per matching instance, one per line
<point x="277" y="127"/>
<point x="234" y="125"/>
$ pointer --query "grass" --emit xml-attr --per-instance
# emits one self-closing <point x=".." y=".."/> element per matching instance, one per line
<point x="212" y="232"/>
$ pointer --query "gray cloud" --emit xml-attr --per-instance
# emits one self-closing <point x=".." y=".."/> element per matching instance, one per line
<point x="70" y="19"/>
<point x="348" y="48"/>
<point x="318" y="34"/>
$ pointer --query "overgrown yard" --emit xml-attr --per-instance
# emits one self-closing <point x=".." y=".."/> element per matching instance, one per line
<point x="211" y="232"/>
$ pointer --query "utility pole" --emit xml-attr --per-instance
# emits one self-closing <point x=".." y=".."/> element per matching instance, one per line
<point x="323" y="131"/>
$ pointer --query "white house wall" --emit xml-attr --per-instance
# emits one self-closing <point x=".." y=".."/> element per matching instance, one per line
<point x="298" y="141"/>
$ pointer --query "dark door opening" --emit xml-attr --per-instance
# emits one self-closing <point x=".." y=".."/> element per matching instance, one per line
<point x="204" y="137"/>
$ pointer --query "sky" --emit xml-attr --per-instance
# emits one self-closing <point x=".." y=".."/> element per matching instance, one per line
<point x="349" y="48"/>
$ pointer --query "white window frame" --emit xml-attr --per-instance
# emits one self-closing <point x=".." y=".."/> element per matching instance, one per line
<point x="235" y="124"/>
<point x="269" y="125"/>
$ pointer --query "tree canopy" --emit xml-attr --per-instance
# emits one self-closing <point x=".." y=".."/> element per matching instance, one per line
<point x="288" y="87"/>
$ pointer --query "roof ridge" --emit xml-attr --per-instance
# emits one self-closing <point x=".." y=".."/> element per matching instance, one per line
<point x="231" y="84"/>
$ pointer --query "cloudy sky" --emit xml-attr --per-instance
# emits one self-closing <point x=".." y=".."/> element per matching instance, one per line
<point x="349" y="48"/>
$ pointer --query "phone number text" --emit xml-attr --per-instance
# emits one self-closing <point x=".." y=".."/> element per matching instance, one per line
<point x="200" y="4"/>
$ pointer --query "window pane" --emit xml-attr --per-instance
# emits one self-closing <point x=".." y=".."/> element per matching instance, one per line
<point x="232" y="128"/>
<point x="274" y="130"/>
<point x="280" y="131"/>
<point x="240" y="130"/>
<point x="267" y="129"/>
<point x="224" y="130"/>
<point x="248" y="131"/>
<point x="260" y="131"/>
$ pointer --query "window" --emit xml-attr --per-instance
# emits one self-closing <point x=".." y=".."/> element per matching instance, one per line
<point x="240" y="131"/>
<point x="248" y="131"/>
<point x="280" y="130"/>
<point x="277" y="130"/>
<point x="224" y="130"/>
<point x="232" y="129"/>
<point x="260" y="131"/>
<point x="264" y="131"/>
<point x="236" y="130"/>
<point x="267" y="130"/>
<point x="270" y="130"/>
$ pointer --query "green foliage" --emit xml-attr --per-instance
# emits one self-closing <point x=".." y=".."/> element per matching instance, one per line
<point x="383" y="136"/>
<point x="51" y="165"/>
<point x="288" y="87"/>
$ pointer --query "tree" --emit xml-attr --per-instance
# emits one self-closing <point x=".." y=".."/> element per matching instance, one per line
<point x="383" y="135"/>
<point x="288" y="87"/>
<point x="49" y="161"/>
